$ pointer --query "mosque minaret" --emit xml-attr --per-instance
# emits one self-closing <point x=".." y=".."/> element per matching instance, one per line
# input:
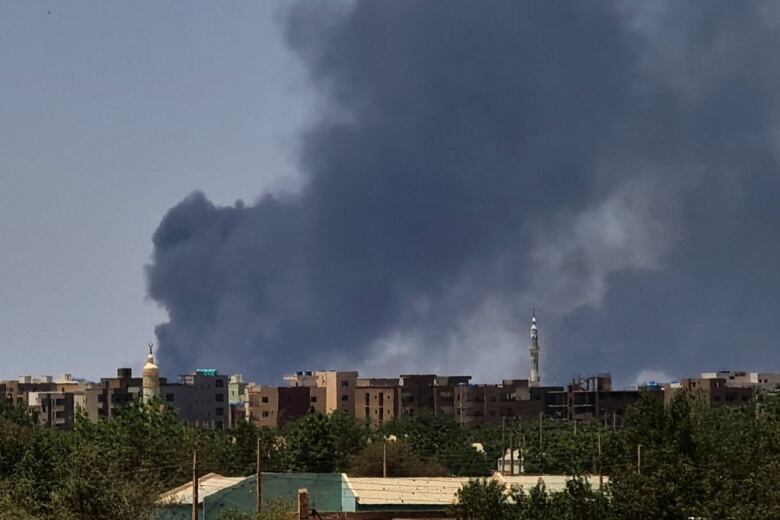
<point x="151" y="378"/>
<point x="534" y="380"/>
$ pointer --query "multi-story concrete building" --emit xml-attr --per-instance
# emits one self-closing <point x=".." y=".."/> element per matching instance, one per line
<point x="237" y="389"/>
<point x="103" y="399"/>
<point x="593" y="398"/>
<point x="55" y="400"/>
<point x="336" y="388"/>
<point x="275" y="406"/>
<point x="200" y="399"/>
<point x="763" y="381"/>
<point x="57" y="409"/>
<point x="716" y="391"/>
<point x="16" y="391"/>
<point x="478" y="405"/>
<point x="377" y="400"/>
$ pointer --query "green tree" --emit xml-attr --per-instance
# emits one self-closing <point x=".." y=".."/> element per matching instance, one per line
<point x="402" y="461"/>
<point x="349" y="437"/>
<point x="310" y="445"/>
<point x="482" y="499"/>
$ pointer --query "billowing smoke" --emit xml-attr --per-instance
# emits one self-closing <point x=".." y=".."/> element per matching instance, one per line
<point x="613" y="164"/>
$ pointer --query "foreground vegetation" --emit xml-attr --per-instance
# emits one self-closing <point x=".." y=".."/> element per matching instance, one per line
<point x="696" y="461"/>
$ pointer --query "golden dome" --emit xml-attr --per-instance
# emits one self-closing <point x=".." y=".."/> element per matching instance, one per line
<point x="150" y="368"/>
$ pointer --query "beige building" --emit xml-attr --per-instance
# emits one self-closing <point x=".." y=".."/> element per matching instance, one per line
<point x="764" y="381"/>
<point x="716" y="391"/>
<point x="376" y="400"/>
<point x="337" y="388"/>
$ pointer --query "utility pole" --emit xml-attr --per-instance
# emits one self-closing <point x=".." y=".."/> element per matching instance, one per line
<point x="194" y="485"/>
<point x="601" y="477"/>
<point x="503" y="444"/>
<point x="512" y="454"/>
<point x="639" y="459"/>
<point x="258" y="481"/>
<point x="384" y="459"/>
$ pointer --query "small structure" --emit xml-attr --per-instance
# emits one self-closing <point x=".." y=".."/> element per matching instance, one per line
<point x="218" y="494"/>
<point x="512" y="463"/>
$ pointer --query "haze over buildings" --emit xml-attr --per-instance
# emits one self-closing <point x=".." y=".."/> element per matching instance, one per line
<point x="612" y="163"/>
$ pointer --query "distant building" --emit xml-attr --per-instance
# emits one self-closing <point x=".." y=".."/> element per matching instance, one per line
<point x="715" y="391"/>
<point x="237" y="389"/>
<point x="593" y="398"/>
<point x="274" y="406"/>
<point x="764" y="381"/>
<point x="338" y="388"/>
<point x="103" y="399"/>
<point x="200" y="399"/>
<point x="377" y="400"/>
<point x="57" y="409"/>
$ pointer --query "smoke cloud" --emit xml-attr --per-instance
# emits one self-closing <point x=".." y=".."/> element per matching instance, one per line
<point x="612" y="164"/>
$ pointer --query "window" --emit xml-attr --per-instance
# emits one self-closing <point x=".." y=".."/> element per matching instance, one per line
<point x="169" y="398"/>
<point x="220" y="412"/>
<point x="264" y="399"/>
<point x="219" y="397"/>
<point x="265" y="414"/>
<point x="218" y="383"/>
<point x="368" y="398"/>
<point x="345" y="384"/>
<point x="345" y="397"/>
<point x="314" y="399"/>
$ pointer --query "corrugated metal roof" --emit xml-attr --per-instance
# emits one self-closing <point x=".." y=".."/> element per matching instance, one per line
<point x="551" y="482"/>
<point x="441" y="490"/>
<point x="207" y="485"/>
<point x="380" y="491"/>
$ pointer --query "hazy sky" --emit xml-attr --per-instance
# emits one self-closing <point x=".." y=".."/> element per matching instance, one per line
<point x="109" y="114"/>
<point x="416" y="176"/>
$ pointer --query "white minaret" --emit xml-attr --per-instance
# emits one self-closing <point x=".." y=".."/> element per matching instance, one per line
<point x="534" y="350"/>
<point x="151" y="378"/>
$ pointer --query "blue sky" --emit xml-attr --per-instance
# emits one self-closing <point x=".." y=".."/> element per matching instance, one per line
<point x="109" y="114"/>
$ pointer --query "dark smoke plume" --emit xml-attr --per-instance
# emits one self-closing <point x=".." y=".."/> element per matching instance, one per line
<point x="613" y="164"/>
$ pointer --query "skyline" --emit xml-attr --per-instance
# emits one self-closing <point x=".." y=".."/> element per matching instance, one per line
<point x="412" y="179"/>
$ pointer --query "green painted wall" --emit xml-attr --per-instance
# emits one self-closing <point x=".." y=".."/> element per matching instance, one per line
<point x="325" y="494"/>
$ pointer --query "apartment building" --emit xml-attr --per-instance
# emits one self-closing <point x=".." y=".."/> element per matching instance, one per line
<point x="237" y="389"/>
<point x="478" y="405"/>
<point x="376" y="400"/>
<point x="336" y="389"/>
<point x="593" y="398"/>
<point x="17" y="391"/>
<point x="275" y="406"/>
<point x="56" y="409"/>
<point x="715" y="390"/>
<point x="200" y="398"/>
<point x="103" y="399"/>
<point x="763" y="381"/>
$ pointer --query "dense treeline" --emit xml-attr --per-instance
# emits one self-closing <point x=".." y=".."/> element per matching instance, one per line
<point x="696" y="461"/>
